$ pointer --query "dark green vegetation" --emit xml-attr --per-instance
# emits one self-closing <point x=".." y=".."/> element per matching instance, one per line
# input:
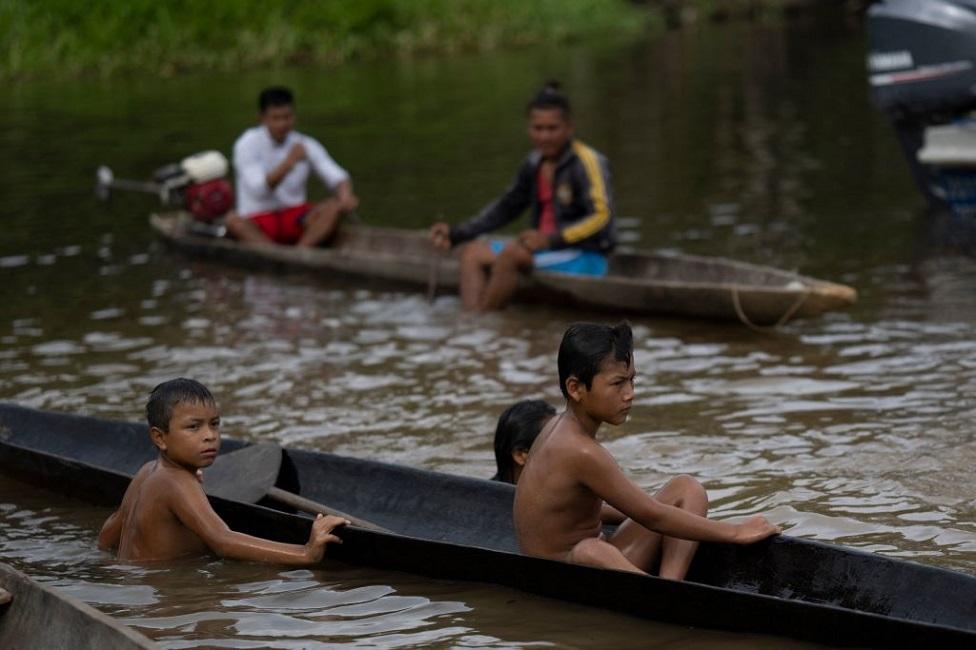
<point x="110" y="36"/>
<point x="66" y="36"/>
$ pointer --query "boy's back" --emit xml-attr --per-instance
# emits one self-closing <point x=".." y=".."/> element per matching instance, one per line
<point x="553" y="509"/>
<point x="150" y="527"/>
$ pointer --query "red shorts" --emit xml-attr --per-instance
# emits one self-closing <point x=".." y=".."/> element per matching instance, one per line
<point x="284" y="226"/>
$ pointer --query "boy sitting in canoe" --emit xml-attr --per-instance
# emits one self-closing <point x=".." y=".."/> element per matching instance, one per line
<point x="165" y="513"/>
<point x="565" y="184"/>
<point x="568" y="476"/>
<point x="272" y="163"/>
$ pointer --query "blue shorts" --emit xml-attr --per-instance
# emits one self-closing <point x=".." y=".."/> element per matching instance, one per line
<point x="565" y="260"/>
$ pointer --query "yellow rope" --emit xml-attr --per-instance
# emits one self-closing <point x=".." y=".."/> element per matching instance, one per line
<point x="767" y="328"/>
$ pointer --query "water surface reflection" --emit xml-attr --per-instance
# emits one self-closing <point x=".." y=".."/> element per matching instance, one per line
<point x="855" y="428"/>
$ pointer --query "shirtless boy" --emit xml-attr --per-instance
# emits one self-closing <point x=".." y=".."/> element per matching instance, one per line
<point x="569" y="476"/>
<point x="165" y="513"/>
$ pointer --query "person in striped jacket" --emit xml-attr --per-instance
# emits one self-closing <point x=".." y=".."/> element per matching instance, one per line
<point x="566" y="186"/>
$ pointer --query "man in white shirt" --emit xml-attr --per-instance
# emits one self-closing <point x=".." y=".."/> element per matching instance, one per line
<point x="272" y="163"/>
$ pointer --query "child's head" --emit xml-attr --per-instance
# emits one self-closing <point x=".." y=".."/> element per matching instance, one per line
<point x="550" y="97"/>
<point x="587" y="348"/>
<point x="277" y="106"/>
<point x="168" y="395"/>
<point x="517" y="429"/>
<point x="275" y="96"/>
<point x="550" y="123"/>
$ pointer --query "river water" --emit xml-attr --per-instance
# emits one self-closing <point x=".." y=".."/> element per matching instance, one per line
<point x="753" y="141"/>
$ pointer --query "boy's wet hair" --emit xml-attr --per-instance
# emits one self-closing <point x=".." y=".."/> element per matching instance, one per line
<point x="550" y="97"/>
<point x="164" y="398"/>
<point x="518" y="427"/>
<point x="275" y="96"/>
<point x="587" y="345"/>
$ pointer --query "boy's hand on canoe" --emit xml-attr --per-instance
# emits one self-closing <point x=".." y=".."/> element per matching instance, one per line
<point x="321" y="535"/>
<point x="440" y="236"/>
<point x="755" y="529"/>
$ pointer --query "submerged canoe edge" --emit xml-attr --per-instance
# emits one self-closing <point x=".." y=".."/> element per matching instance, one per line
<point x="40" y="617"/>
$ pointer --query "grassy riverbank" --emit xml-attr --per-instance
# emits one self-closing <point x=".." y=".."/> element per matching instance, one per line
<point x="43" y="37"/>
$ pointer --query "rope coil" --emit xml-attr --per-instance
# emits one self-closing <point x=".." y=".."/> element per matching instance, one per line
<point x="787" y="315"/>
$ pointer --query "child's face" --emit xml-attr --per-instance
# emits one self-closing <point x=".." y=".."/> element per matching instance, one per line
<point x="279" y="120"/>
<point x="549" y="131"/>
<point x="193" y="439"/>
<point x="611" y="392"/>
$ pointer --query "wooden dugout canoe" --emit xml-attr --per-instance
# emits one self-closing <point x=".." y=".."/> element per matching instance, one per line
<point x="637" y="282"/>
<point x="460" y="528"/>
<point x="35" y="616"/>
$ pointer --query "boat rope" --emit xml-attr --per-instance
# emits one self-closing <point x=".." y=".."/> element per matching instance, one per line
<point x="787" y="315"/>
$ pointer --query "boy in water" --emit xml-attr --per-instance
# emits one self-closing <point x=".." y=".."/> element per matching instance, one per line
<point x="568" y="476"/>
<point x="165" y="513"/>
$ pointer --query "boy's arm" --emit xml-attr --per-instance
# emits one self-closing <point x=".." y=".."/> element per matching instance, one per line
<point x="603" y="476"/>
<point x="190" y="505"/>
<point x="610" y="515"/>
<point x="250" y="174"/>
<point x="111" y="533"/>
<point x="596" y="181"/>
<point x="500" y="212"/>
<point x="327" y="169"/>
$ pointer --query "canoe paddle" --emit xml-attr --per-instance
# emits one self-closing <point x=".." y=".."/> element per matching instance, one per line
<point x="249" y="474"/>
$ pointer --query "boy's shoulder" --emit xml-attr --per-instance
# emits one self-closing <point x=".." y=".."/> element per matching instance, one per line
<point x="163" y="479"/>
<point x="565" y="439"/>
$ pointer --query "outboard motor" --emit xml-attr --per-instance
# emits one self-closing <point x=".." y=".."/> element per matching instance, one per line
<point x="922" y="71"/>
<point x="197" y="183"/>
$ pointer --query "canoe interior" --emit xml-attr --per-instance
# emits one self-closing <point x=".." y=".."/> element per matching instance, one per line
<point x="631" y="265"/>
<point x="637" y="282"/>
<point x="39" y="617"/>
<point x="458" y="527"/>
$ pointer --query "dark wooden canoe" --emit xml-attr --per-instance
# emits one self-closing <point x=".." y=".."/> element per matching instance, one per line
<point x="637" y="282"/>
<point x="35" y="616"/>
<point x="460" y="528"/>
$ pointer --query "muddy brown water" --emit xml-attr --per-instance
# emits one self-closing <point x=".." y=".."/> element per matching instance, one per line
<point x="751" y="141"/>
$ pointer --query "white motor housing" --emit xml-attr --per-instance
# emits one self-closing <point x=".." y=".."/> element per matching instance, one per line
<point x="205" y="166"/>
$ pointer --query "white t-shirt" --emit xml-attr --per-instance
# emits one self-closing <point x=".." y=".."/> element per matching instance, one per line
<point x="256" y="153"/>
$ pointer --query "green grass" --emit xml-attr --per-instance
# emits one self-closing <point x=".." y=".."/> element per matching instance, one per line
<point x="104" y="37"/>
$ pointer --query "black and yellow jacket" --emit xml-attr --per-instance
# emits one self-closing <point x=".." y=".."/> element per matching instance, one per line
<point x="581" y="200"/>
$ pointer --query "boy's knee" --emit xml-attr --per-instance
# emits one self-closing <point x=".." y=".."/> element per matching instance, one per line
<point x="514" y="255"/>
<point x="476" y="253"/>
<point x="690" y="489"/>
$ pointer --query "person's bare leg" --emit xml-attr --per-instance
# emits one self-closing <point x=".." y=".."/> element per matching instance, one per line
<point x="504" y="278"/>
<point x="644" y="547"/>
<point x="640" y="546"/>
<point x="676" y="554"/>
<point x="476" y="259"/>
<point x="244" y="229"/>
<point x="321" y="222"/>
<point x="598" y="553"/>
